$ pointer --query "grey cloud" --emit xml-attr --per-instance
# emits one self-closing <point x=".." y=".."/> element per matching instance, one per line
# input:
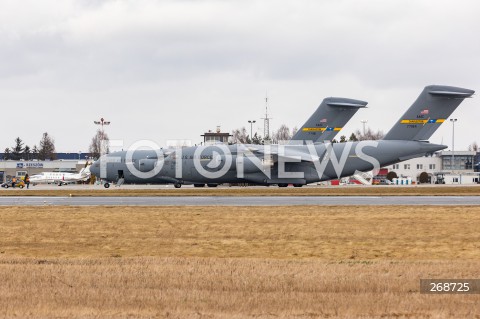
<point x="185" y="53"/>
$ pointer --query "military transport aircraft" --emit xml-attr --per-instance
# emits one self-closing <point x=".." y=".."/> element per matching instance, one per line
<point x="322" y="126"/>
<point x="289" y="164"/>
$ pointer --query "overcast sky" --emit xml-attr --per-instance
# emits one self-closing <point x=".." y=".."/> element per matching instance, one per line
<point x="162" y="70"/>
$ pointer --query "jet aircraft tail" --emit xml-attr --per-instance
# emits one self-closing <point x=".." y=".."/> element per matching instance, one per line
<point x="85" y="171"/>
<point x="329" y="118"/>
<point x="434" y="105"/>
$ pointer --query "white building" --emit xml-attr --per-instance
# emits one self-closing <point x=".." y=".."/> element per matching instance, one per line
<point x="414" y="167"/>
<point x="461" y="178"/>
<point x="463" y="161"/>
<point x="439" y="169"/>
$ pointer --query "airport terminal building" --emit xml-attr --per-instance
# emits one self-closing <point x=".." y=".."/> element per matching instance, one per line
<point x="66" y="162"/>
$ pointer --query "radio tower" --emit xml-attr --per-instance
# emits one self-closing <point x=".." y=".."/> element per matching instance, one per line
<point x="266" y="121"/>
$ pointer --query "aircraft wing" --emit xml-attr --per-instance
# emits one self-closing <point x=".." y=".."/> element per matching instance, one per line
<point x="289" y="154"/>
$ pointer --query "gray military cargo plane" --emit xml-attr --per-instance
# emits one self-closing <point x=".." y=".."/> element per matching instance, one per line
<point x="322" y="126"/>
<point x="289" y="164"/>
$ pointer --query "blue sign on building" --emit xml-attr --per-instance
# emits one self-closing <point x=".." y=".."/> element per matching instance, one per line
<point x="30" y="165"/>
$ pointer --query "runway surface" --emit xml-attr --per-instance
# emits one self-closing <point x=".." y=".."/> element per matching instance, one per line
<point x="241" y="201"/>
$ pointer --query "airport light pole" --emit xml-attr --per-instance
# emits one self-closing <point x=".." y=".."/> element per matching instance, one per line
<point x="453" y="143"/>
<point x="102" y="122"/>
<point x="364" y="122"/>
<point x="251" y="129"/>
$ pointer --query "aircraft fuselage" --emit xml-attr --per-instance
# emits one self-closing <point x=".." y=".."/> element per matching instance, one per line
<point x="274" y="164"/>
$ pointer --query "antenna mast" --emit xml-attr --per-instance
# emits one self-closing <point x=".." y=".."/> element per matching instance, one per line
<point x="266" y="121"/>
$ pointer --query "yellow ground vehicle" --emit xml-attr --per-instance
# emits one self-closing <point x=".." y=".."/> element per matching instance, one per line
<point x="19" y="183"/>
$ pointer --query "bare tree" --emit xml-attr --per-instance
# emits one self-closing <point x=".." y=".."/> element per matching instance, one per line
<point x="240" y="136"/>
<point x="294" y="131"/>
<point x="47" y="148"/>
<point x="99" y="144"/>
<point x="473" y="147"/>
<point x="281" y="135"/>
<point x="369" y="135"/>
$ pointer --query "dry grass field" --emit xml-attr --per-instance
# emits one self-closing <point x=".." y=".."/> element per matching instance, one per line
<point x="414" y="190"/>
<point x="327" y="232"/>
<point x="176" y="287"/>
<point x="236" y="262"/>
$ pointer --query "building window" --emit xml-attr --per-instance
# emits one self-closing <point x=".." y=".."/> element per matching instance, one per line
<point x="21" y="173"/>
<point x="419" y="166"/>
<point x="406" y="166"/>
<point x="396" y="166"/>
<point x="431" y="166"/>
<point x="455" y="179"/>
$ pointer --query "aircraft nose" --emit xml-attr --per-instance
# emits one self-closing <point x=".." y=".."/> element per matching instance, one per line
<point x="95" y="168"/>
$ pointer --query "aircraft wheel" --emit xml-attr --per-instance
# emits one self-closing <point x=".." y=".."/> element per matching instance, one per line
<point x="106" y="185"/>
<point x="282" y="185"/>
<point x="198" y="185"/>
<point x="177" y="185"/>
<point x="212" y="185"/>
<point x="297" y="185"/>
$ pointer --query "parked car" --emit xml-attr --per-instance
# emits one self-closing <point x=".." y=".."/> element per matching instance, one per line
<point x="381" y="182"/>
<point x="20" y="184"/>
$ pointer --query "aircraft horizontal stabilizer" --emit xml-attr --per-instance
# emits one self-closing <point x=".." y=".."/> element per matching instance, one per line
<point x="453" y="94"/>
<point x="341" y="102"/>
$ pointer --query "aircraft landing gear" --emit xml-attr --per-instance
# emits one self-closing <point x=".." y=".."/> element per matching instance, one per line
<point x="177" y="185"/>
<point x="106" y="185"/>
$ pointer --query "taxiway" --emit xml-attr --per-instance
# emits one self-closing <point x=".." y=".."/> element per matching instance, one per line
<point x="241" y="201"/>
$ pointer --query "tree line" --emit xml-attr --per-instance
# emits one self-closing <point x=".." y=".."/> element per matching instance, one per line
<point x="241" y="136"/>
<point x="20" y="151"/>
<point x="46" y="148"/>
<point x="99" y="143"/>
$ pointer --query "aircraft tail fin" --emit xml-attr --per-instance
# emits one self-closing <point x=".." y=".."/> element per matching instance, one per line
<point x="434" y="105"/>
<point x="85" y="171"/>
<point x="329" y="118"/>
